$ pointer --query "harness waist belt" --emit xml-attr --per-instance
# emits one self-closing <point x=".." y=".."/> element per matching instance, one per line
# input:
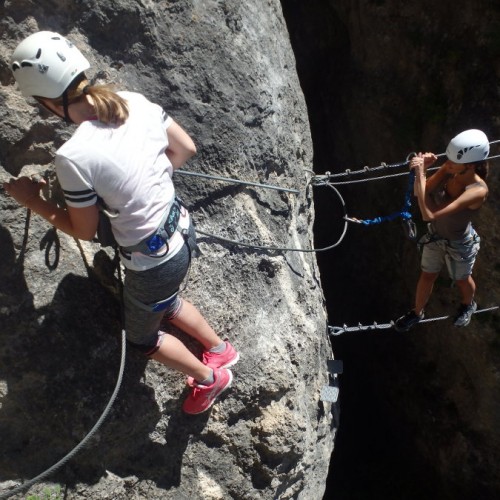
<point x="160" y="237"/>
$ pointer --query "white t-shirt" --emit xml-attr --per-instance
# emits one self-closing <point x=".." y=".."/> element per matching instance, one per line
<point x="128" y="169"/>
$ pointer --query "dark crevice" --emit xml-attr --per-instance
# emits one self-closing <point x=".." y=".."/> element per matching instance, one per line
<point x="378" y="448"/>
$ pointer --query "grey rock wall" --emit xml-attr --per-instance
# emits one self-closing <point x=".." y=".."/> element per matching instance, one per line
<point x="226" y="72"/>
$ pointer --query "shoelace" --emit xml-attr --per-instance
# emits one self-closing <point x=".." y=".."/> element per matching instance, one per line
<point x="197" y="389"/>
<point x="196" y="392"/>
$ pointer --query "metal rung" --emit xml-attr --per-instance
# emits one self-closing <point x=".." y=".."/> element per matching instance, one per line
<point x="329" y="394"/>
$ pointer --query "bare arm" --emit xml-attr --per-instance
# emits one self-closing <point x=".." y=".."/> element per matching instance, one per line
<point x="470" y="198"/>
<point x="80" y="223"/>
<point x="423" y="161"/>
<point x="180" y="145"/>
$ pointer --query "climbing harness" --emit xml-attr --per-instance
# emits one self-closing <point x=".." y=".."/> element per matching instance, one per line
<point x="429" y="237"/>
<point x="335" y="331"/>
<point x="159" y="239"/>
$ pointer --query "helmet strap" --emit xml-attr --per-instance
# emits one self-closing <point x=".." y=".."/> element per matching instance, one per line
<point x="67" y="119"/>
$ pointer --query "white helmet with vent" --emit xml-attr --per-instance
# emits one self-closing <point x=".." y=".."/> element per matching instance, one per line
<point x="468" y="147"/>
<point x="45" y="64"/>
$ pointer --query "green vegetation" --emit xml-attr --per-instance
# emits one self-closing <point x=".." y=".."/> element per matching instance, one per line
<point x="48" y="494"/>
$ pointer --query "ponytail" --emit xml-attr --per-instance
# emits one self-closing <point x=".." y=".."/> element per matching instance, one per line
<point x="110" y="108"/>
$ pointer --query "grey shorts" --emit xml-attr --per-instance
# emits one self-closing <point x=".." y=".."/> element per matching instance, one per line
<point x="152" y="286"/>
<point x="459" y="255"/>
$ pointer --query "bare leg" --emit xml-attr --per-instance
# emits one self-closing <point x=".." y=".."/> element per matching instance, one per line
<point x="190" y="320"/>
<point x="467" y="289"/>
<point x="176" y="355"/>
<point x="424" y="290"/>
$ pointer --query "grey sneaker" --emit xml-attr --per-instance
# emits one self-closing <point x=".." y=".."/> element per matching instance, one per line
<point x="464" y="315"/>
<point x="410" y="319"/>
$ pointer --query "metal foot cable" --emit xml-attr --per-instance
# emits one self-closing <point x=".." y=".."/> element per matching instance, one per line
<point x="334" y="331"/>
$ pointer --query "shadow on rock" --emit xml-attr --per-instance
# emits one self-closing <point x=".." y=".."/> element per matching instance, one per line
<point x="58" y="367"/>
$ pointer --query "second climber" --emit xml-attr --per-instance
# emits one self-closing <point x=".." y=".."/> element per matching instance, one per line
<point x="448" y="200"/>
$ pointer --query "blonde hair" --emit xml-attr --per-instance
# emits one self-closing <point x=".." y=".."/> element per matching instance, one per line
<point x="110" y="108"/>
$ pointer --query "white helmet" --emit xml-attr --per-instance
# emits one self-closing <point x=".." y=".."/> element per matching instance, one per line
<point x="45" y="64"/>
<point x="468" y="147"/>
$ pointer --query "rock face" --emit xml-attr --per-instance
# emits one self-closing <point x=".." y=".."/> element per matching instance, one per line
<point x="383" y="79"/>
<point x="226" y="72"/>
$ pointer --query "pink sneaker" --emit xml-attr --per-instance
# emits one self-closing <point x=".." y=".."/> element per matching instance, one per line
<point x="221" y="360"/>
<point x="218" y="360"/>
<point x="202" y="397"/>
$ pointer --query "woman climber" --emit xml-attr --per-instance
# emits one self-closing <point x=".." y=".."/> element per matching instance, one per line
<point x="122" y="156"/>
<point x="448" y="200"/>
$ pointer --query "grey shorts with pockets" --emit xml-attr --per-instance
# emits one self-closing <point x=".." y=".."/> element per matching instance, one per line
<point x="459" y="255"/>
